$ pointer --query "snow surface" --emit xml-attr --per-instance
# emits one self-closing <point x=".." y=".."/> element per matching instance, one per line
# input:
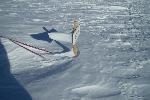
<point x="114" y="61"/>
<point x="96" y="91"/>
<point x="61" y="37"/>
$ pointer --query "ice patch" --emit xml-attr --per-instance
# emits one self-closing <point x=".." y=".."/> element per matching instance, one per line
<point x="95" y="91"/>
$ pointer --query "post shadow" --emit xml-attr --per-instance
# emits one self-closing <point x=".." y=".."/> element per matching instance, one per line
<point x="45" y="37"/>
<point x="10" y="88"/>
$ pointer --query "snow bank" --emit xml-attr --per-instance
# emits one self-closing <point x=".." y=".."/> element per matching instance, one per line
<point x="95" y="91"/>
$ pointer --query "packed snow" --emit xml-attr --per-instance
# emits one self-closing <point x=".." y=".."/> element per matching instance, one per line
<point x="61" y="37"/>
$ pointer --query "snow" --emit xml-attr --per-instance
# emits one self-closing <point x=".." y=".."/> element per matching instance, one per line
<point x="61" y="37"/>
<point x="66" y="54"/>
<point x="36" y="20"/>
<point x="96" y="91"/>
<point x="111" y="7"/>
<point x="114" y="50"/>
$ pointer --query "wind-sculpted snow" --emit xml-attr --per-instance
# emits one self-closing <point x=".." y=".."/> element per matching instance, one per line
<point x="114" y="48"/>
<point x="96" y="91"/>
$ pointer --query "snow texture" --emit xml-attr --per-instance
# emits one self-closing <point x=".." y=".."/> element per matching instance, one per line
<point x="114" y="60"/>
<point x="61" y="37"/>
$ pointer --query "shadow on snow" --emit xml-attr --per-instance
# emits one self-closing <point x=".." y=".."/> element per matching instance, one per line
<point x="45" y="37"/>
<point x="10" y="88"/>
<point x="41" y="73"/>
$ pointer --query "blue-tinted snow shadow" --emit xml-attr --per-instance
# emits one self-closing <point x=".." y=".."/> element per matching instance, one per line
<point x="42" y="73"/>
<point x="10" y="88"/>
<point x="54" y="70"/>
<point x="45" y="37"/>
